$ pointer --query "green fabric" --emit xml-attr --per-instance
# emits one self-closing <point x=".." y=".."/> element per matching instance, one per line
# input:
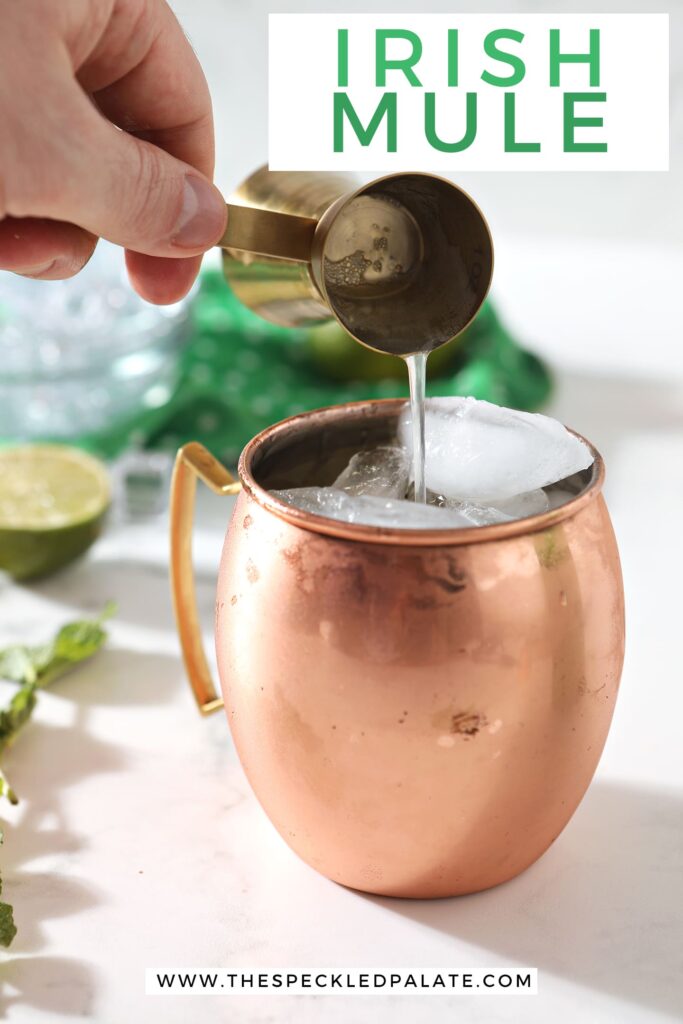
<point x="239" y="374"/>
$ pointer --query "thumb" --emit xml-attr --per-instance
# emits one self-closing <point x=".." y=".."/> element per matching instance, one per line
<point x="134" y="194"/>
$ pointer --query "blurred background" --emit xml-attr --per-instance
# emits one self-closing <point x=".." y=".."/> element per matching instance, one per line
<point x="587" y="264"/>
<point x="230" y="39"/>
<point x="583" y="319"/>
<point x="587" y="279"/>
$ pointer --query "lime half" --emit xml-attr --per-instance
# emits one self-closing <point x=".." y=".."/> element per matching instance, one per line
<point x="53" y="500"/>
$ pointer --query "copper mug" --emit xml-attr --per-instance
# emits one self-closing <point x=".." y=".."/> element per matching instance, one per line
<point x="418" y="712"/>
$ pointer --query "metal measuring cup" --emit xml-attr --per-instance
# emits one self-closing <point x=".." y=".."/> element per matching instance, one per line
<point x="403" y="263"/>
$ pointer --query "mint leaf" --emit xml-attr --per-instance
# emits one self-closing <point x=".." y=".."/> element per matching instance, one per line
<point x="7" y="926"/>
<point x="17" y="665"/>
<point x="43" y="663"/>
<point x="8" y="929"/>
<point x="17" y="712"/>
<point x="7" y="791"/>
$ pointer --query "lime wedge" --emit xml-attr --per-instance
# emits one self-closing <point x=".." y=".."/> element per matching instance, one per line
<point x="53" y="500"/>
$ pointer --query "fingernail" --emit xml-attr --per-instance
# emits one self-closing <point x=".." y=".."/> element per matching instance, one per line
<point x="36" y="271"/>
<point x="202" y="217"/>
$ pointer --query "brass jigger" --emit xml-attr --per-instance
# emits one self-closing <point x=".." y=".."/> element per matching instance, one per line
<point x="403" y="263"/>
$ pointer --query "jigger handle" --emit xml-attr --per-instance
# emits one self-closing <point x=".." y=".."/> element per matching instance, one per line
<point x="283" y="236"/>
<point x="193" y="461"/>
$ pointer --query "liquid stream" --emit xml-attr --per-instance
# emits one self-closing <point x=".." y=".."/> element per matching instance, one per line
<point x="417" y="376"/>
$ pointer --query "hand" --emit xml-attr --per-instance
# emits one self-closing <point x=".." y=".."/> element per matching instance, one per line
<point x="72" y="74"/>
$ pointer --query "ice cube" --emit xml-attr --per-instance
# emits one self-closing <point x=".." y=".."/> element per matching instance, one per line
<point x="482" y="453"/>
<point x="518" y="507"/>
<point x="558" y="495"/>
<point x="370" y="510"/>
<point x="531" y="503"/>
<point x="521" y="505"/>
<point x="322" y="501"/>
<point x="382" y="471"/>
<point x="476" y="514"/>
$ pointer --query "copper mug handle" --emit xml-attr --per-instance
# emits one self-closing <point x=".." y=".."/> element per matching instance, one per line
<point x="193" y="462"/>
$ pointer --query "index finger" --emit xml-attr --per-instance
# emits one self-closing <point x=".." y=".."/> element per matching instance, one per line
<point x="145" y="78"/>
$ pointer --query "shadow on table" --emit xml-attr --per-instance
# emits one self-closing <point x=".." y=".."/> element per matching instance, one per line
<point x="122" y="678"/>
<point x="46" y="761"/>
<point x="142" y="592"/>
<point x="55" y="985"/>
<point x="602" y="908"/>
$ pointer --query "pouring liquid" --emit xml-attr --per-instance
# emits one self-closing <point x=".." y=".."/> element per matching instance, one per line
<point x="417" y="376"/>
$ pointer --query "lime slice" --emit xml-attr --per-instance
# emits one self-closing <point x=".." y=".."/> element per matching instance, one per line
<point x="53" y="500"/>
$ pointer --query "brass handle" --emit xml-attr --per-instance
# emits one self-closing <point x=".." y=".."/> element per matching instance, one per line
<point x="193" y="461"/>
<point x="282" y="236"/>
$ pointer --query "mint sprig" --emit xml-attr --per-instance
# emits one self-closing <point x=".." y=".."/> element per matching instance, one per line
<point x="35" y="667"/>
